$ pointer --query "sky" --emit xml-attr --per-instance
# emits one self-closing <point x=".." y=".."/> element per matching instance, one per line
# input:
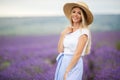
<point x="21" y="8"/>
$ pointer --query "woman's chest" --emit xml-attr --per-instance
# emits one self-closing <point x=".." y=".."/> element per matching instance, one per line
<point x="71" y="40"/>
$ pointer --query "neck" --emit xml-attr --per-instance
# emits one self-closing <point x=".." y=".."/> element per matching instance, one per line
<point x="76" y="25"/>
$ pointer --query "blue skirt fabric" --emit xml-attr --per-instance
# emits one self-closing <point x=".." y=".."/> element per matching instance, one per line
<point x="63" y="61"/>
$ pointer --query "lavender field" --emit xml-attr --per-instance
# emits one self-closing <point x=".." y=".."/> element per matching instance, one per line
<point x="28" y="48"/>
<point x="34" y="57"/>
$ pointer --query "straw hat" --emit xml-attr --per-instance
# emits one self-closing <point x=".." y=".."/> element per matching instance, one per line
<point x="68" y="7"/>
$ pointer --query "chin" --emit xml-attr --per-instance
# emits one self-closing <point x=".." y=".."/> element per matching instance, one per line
<point x="76" y="21"/>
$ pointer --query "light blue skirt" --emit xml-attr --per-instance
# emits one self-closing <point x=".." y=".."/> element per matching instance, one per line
<point x="63" y="61"/>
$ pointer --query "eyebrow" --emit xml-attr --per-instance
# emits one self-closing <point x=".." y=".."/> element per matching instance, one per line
<point x="74" y="10"/>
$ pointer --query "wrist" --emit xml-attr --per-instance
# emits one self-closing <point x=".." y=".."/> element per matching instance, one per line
<point x="67" y="71"/>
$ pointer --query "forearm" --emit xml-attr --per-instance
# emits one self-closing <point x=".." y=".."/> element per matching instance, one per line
<point x="73" y="62"/>
<point x="60" y="44"/>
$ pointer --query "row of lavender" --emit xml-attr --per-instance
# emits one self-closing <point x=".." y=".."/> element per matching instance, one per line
<point x="33" y="57"/>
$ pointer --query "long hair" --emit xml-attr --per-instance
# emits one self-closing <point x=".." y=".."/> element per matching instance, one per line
<point x="84" y="25"/>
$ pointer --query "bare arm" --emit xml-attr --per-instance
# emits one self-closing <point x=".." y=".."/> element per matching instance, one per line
<point x="60" y="43"/>
<point x="81" y="44"/>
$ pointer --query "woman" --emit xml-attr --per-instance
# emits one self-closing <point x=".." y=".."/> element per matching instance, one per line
<point x="74" y="42"/>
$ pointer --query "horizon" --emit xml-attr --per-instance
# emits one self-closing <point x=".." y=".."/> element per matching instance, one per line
<point x="51" y="16"/>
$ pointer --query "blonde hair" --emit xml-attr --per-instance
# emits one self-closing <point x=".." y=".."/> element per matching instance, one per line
<point x="84" y="25"/>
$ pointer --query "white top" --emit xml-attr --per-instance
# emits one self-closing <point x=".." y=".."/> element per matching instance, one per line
<point x="71" y="40"/>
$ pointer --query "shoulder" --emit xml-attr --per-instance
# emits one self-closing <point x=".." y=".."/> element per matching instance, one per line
<point x="85" y="31"/>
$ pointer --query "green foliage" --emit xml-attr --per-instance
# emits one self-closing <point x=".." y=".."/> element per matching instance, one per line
<point x="4" y="65"/>
<point x="118" y="45"/>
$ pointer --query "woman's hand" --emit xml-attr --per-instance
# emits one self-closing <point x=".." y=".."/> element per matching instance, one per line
<point x="67" y="30"/>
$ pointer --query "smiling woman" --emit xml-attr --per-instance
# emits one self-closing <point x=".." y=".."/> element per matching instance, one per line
<point x="74" y="42"/>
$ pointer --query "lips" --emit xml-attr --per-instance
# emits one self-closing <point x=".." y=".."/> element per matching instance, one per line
<point x="75" y="19"/>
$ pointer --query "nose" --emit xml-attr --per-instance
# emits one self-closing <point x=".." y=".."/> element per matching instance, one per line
<point x="75" y="14"/>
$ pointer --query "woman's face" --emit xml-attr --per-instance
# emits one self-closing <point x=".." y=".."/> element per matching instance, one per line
<point x="76" y="15"/>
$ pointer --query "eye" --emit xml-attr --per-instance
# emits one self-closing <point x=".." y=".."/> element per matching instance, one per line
<point x="73" y="11"/>
<point x="79" y="13"/>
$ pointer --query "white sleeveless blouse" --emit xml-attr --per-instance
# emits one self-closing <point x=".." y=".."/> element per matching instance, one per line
<point x="71" y="40"/>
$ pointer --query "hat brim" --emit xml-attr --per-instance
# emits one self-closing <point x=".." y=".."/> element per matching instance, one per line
<point x="68" y="7"/>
